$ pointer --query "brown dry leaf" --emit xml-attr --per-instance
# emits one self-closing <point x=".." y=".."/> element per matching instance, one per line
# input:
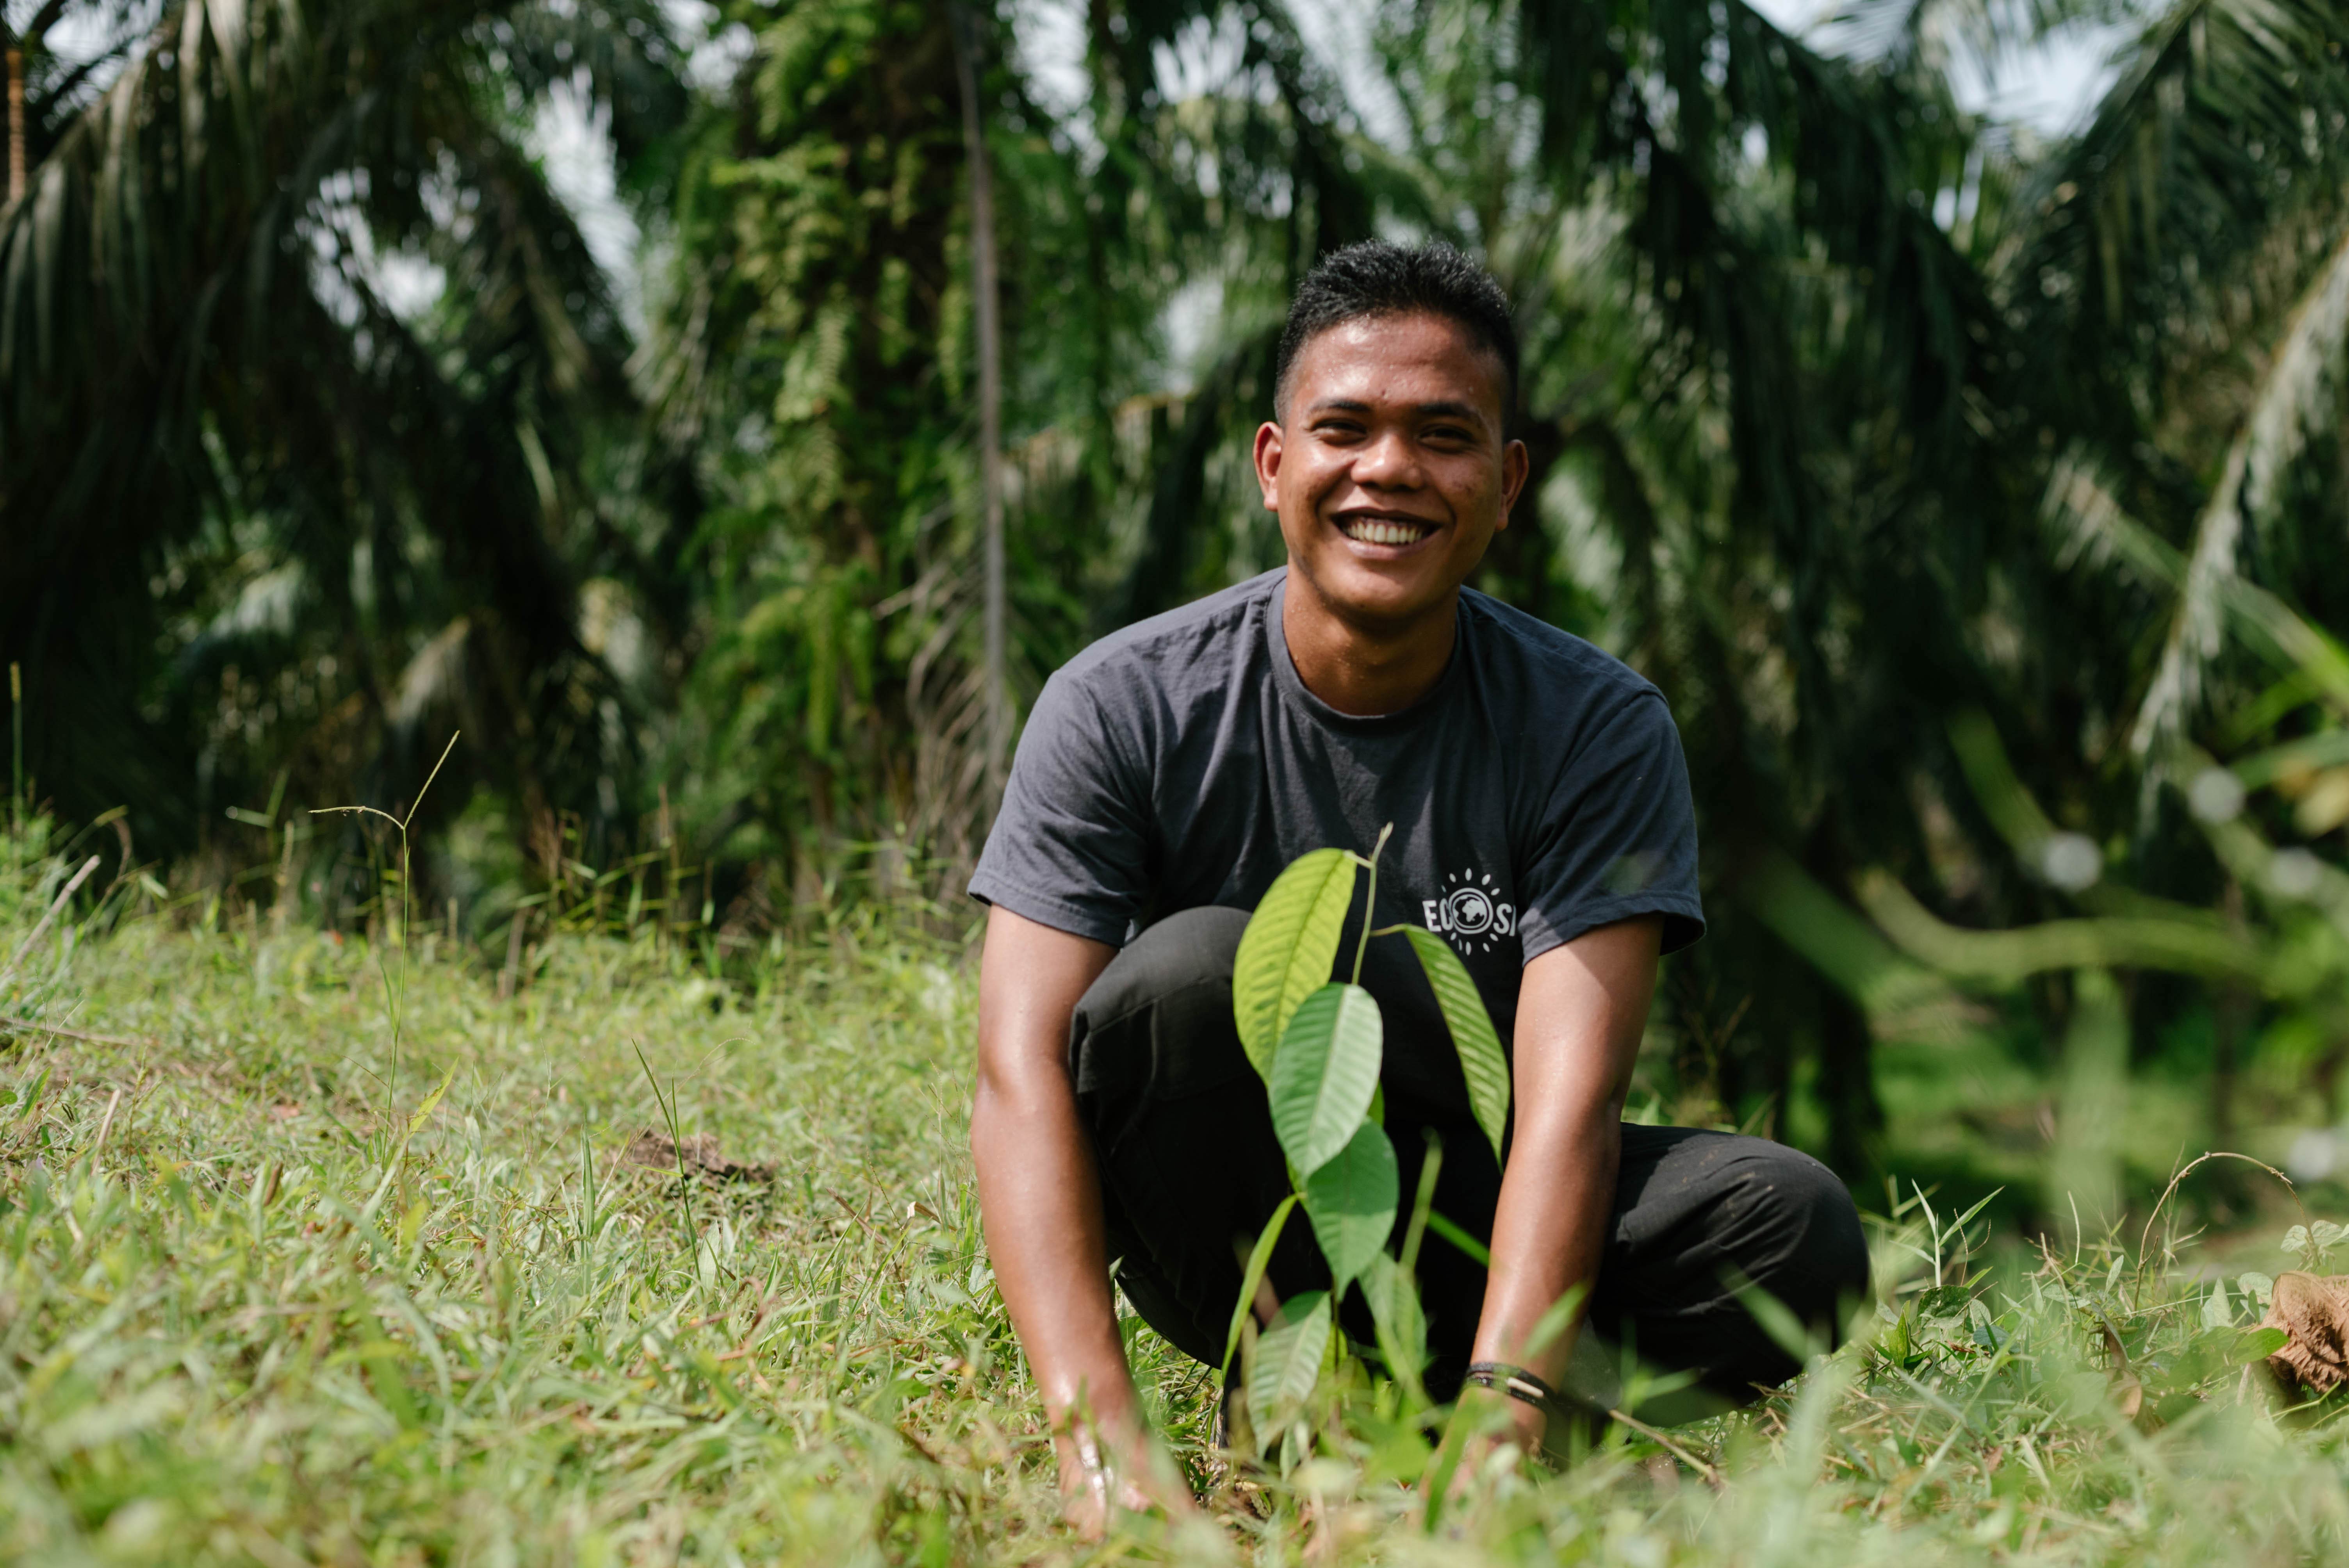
<point x="2314" y="1311"/>
<point x="697" y="1153"/>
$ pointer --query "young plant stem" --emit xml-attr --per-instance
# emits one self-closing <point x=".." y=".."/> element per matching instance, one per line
<point x="1423" y="1206"/>
<point x="1252" y="1275"/>
<point x="1369" y="900"/>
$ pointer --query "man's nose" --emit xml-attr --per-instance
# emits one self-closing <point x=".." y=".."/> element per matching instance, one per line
<point x="1387" y="461"/>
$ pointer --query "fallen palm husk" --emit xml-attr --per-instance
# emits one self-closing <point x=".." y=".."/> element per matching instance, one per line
<point x="2313" y="1310"/>
<point x="698" y="1154"/>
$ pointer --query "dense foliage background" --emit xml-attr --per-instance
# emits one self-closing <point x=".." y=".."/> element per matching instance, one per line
<point x="1931" y="466"/>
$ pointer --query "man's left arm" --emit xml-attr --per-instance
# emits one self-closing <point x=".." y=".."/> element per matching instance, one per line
<point x="1581" y="1010"/>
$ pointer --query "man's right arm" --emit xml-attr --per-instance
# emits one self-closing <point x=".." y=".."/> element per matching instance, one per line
<point x="1040" y="1197"/>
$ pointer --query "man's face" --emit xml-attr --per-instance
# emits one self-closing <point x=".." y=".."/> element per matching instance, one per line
<point x="1389" y="470"/>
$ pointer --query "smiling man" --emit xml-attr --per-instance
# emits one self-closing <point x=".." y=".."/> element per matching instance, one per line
<point x="1541" y="824"/>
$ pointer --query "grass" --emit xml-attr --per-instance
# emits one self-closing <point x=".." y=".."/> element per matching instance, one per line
<point x="248" y="1317"/>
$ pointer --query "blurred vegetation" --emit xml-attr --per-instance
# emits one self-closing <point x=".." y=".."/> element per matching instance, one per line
<point x="1966" y="490"/>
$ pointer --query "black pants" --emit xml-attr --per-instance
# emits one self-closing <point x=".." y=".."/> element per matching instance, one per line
<point x="1191" y="1171"/>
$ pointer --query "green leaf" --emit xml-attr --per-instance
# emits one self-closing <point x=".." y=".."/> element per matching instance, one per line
<point x="1324" y="1075"/>
<point x="1944" y="1306"/>
<point x="1252" y="1275"/>
<point x="1288" y="1361"/>
<point x="1400" y="1322"/>
<point x="2217" y="1310"/>
<point x="1351" y="1203"/>
<point x="431" y="1103"/>
<point x="2259" y="1344"/>
<point x="1481" y="1061"/>
<point x="1289" y="948"/>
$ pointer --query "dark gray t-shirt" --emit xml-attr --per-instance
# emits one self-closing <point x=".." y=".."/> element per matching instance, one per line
<point x="1536" y="793"/>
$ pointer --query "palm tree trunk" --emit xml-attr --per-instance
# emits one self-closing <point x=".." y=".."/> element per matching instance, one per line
<point x="15" y="122"/>
<point x="990" y="397"/>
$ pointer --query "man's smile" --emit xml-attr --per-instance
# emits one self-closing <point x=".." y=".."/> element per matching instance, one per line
<point x="1390" y="529"/>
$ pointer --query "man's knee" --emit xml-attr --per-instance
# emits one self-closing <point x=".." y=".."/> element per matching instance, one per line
<point x="1189" y="949"/>
<point x="1801" y="1233"/>
<point x="1157" y="1023"/>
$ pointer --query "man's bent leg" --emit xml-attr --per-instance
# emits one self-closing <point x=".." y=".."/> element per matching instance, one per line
<point x="1191" y="1170"/>
<point x="1190" y="1166"/>
<point x="1700" y="1219"/>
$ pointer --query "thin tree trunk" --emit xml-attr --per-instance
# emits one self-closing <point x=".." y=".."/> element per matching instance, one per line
<point x="990" y="396"/>
<point x="15" y="122"/>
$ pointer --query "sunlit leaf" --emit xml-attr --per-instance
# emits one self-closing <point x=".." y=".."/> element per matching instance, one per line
<point x="1325" y="1073"/>
<point x="1481" y="1061"/>
<point x="1288" y="948"/>
<point x="1351" y="1201"/>
<point x="1289" y="1358"/>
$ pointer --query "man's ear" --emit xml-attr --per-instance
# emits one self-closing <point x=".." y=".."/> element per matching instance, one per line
<point x="1267" y="464"/>
<point x="1514" y="465"/>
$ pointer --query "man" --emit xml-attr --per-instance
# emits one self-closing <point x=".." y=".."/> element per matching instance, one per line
<point x="1541" y="823"/>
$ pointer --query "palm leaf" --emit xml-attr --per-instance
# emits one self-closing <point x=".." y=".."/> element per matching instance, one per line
<point x="2294" y="397"/>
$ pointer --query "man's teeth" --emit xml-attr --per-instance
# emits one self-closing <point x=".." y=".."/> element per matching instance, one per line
<point x="1378" y="530"/>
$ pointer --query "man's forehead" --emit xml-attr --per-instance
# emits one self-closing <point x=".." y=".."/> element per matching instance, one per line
<point x="1418" y="358"/>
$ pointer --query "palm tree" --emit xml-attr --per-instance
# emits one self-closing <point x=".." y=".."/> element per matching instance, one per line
<point x="261" y="514"/>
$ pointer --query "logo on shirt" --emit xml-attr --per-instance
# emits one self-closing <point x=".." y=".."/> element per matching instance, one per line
<point x="1470" y="915"/>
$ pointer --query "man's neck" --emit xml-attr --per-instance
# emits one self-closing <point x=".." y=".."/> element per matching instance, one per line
<point x="1364" y="672"/>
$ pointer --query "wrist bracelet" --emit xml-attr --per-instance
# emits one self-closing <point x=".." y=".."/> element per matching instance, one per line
<point x="1515" y="1381"/>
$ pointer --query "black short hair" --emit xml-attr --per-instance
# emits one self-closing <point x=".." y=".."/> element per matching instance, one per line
<point x="1377" y="278"/>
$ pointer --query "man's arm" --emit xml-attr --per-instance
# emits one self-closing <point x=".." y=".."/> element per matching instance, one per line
<point x="1580" y="1014"/>
<point x="1039" y="1198"/>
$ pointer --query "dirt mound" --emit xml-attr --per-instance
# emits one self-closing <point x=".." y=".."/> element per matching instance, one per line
<point x="698" y="1154"/>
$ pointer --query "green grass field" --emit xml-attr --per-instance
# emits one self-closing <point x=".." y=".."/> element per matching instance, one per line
<point x="265" y="1300"/>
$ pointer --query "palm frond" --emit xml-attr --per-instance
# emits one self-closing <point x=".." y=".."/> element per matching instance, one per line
<point x="2294" y="397"/>
<point x="191" y="339"/>
<point x="2129" y="251"/>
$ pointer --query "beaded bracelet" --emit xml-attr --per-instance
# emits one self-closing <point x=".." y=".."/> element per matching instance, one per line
<point x="1515" y="1381"/>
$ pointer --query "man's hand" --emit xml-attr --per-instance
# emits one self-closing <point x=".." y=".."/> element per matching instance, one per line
<point x="1039" y="1198"/>
<point x="1097" y="1481"/>
<point x="1580" y="1014"/>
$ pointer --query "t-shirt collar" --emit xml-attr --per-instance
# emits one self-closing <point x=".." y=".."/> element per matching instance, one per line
<point x="1293" y="687"/>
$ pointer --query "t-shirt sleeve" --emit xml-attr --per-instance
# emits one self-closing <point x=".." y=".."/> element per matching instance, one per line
<point x="1069" y="847"/>
<point x="1616" y="836"/>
